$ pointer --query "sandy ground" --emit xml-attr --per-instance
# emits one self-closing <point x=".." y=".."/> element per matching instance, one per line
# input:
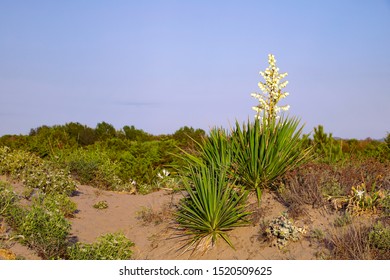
<point x="148" y="221"/>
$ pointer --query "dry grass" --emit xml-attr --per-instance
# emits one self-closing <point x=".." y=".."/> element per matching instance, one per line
<point x="300" y="187"/>
<point x="349" y="243"/>
<point x="150" y="216"/>
<point x="360" y="241"/>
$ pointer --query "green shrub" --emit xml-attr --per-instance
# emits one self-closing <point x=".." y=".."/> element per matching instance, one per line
<point x="7" y="198"/>
<point x="96" y="168"/>
<point x="212" y="208"/>
<point x="385" y="204"/>
<point x="112" y="246"/>
<point x="101" y="205"/>
<point x="49" y="179"/>
<point x="343" y="220"/>
<point x="57" y="202"/>
<point x="217" y="149"/>
<point x="45" y="230"/>
<point x="379" y="237"/>
<point x="282" y="230"/>
<point x="34" y="172"/>
<point x="15" y="216"/>
<point x="146" y="189"/>
<point x="326" y="147"/>
<point x="15" y="162"/>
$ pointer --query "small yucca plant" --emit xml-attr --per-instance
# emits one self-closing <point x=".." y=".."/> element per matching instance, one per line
<point x="211" y="208"/>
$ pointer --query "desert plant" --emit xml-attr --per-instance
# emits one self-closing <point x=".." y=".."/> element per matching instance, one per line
<point x="343" y="220"/>
<point x="146" y="188"/>
<point x="349" y="243"/>
<point x="48" y="179"/>
<point x="112" y="246"/>
<point x="101" y="205"/>
<point x="362" y="200"/>
<point x="149" y="216"/>
<point x="301" y="186"/>
<point x="360" y="242"/>
<point x="317" y="234"/>
<point x="15" y="215"/>
<point x="385" y="204"/>
<point x="95" y="167"/>
<point x="265" y="150"/>
<point x="215" y="150"/>
<point x="282" y="229"/>
<point x="211" y="208"/>
<point x="379" y="238"/>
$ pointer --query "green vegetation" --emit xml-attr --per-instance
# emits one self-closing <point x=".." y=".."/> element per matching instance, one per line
<point x="264" y="152"/>
<point x="111" y="246"/>
<point x="101" y="205"/>
<point x="34" y="172"/>
<point x="216" y="172"/>
<point x="121" y="160"/>
<point x="379" y="238"/>
<point x="281" y="230"/>
<point x="213" y="206"/>
<point x="46" y="231"/>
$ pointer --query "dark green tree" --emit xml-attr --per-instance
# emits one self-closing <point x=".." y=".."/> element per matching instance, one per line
<point x="325" y="146"/>
<point x="185" y="137"/>
<point x="105" y="131"/>
<point x="133" y="134"/>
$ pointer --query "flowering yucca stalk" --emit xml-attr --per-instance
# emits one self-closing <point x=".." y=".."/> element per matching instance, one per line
<point x="271" y="92"/>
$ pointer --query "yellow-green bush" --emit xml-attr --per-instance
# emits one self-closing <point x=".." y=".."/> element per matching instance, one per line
<point x="112" y="246"/>
<point x="34" y="172"/>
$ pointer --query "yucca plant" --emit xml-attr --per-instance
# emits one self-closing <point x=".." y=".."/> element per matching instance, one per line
<point x="266" y="149"/>
<point x="211" y="208"/>
<point x="214" y="149"/>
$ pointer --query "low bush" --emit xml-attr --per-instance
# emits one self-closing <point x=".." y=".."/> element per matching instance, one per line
<point x="112" y="246"/>
<point x="34" y="172"/>
<point x="7" y="198"/>
<point x="302" y="186"/>
<point x="9" y="208"/>
<point x="349" y="243"/>
<point x="281" y="230"/>
<point x="343" y="220"/>
<point x="95" y="167"/>
<point x="360" y="242"/>
<point x="379" y="240"/>
<point x="101" y="205"/>
<point x="46" y="231"/>
<point x="57" y="202"/>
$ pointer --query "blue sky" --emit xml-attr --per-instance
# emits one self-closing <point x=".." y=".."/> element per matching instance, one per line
<point x="161" y="65"/>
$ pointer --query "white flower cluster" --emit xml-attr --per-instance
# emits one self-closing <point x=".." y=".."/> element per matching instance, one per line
<point x="165" y="173"/>
<point x="271" y="91"/>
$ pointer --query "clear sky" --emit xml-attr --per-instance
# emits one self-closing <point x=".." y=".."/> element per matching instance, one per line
<point x="161" y="65"/>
